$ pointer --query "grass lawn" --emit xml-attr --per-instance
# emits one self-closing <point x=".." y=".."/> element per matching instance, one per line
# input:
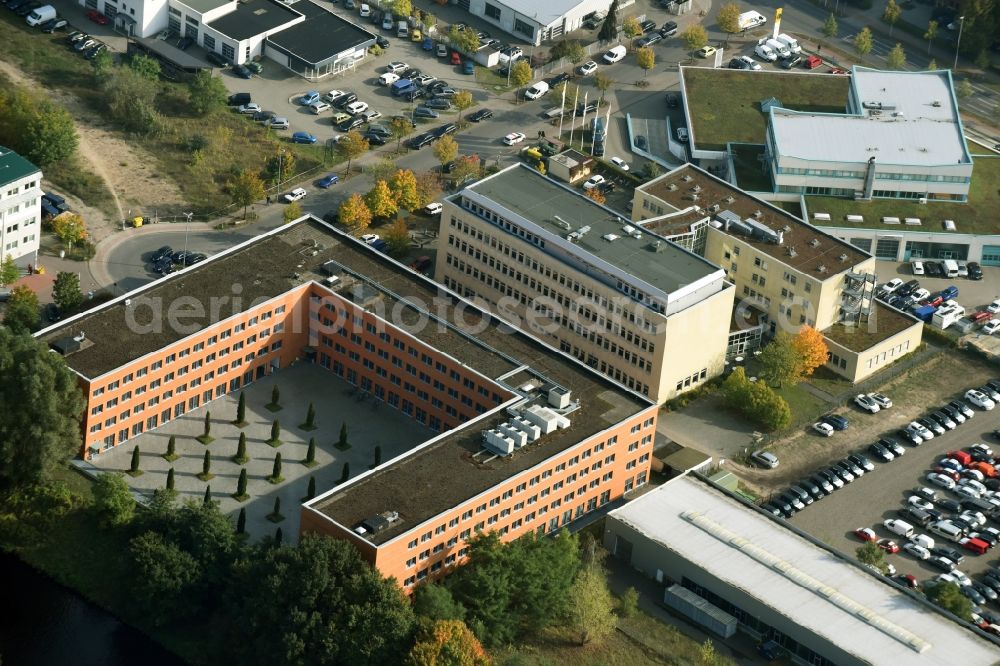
<point x="230" y="142"/>
<point x="640" y="641"/>
<point x="826" y="380"/>
<point x="804" y="405"/>
<point x="725" y="103"/>
<point x="978" y="216"/>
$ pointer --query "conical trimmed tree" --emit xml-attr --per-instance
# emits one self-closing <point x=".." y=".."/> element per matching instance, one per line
<point x="134" y="466"/>
<point x="206" y="436"/>
<point x="311" y="492"/>
<point x="275" y="439"/>
<point x="275" y="403"/>
<point x="170" y="479"/>
<point x="241" y="521"/>
<point x="241" y="486"/>
<point x="275" y="515"/>
<point x="241" y="450"/>
<point x="345" y="472"/>
<point x="310" y="423"/>
<point x="208" y="495"/>
<point x="276" y="470"/>
<point x="171" y="454"/>
<point x="241" y="410"/>
<point x="311" y="453"/>
<point x="342" y="443"/>
<point x="206" y="467"/>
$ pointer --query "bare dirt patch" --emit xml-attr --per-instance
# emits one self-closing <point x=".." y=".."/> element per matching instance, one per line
<point x="127" y="171"/>
<point x="945" y="376"/>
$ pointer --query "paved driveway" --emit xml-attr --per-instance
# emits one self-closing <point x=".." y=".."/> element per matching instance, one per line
<point x="707" y="426"/>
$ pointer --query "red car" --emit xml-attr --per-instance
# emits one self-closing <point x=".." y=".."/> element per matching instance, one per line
<point x="888" y="545"/>
<point x="865" y="534"/>
<point x="908" y="580"/>
<point x="456" y="58"/>
<point x="97" y="17"/>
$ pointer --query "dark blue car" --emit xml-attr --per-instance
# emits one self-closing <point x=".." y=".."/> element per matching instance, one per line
<point x="326" y="182"/>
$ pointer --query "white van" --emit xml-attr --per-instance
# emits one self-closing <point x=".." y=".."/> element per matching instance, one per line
<point x="41" y="15"/>
<point x="950" y="268"/>
<point x="778" y="48"/>
<point x="790" y="42"/>
<point x="402" y="29"/>
<point x="614" y="54"/>
<point x="947" y="529"/>
<point x="764" y="52"/>
<point x="899" y="527"/>
<point x="388" y="78"/>
<point x="537" y="90"/>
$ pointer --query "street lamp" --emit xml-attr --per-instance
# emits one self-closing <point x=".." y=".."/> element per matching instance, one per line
<point x="961" y="24"/>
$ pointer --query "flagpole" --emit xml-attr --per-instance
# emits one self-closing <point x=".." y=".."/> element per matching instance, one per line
<point x="572" y="126"/>
<point x="597" y="114"/>
<point x="583" y="120"/>
<point x="562" y="110"/>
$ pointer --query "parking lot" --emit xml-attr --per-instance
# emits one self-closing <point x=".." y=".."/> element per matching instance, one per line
<point x="879" y="494"/>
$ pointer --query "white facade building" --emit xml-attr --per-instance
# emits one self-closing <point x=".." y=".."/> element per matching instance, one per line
<point x="537" y="21"/>
<point x="20" y="206"/>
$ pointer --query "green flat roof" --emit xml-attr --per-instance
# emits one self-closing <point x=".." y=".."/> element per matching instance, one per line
<point x="14" y="167"/>
<point x="724" y="104"/>
<point x="978" y="216"/>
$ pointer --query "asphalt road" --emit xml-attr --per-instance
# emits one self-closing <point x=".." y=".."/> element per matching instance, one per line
<point x="879" y="494"/>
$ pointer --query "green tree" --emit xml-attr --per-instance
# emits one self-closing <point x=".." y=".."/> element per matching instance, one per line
<point x="896" y="58"/>
<point x="445" y="149"/>
<point x="162" y="576"/>
<point x="863" y="42"/>
<point x="515" y="588"/>
<point x="23" y="313"/>
<point x="207" y="499"/>
<point x="241" y="410"/>
<point x="462" y="100"/>
<point x="465" y="41"/>
<point x="276" y="469"/>
<point x="275" y="438"/>
<point x="446" y="642"/>
<point x="70" y="229"/>
<point x="279" y="167"/>
<point x="932" y="29"/>
<point x="342" y="443"/>
<point x="466" y="168"/>
<point x="397" y="238"/>
<point x="891" y="14"/>
<point x="355" y="214"/>
<point x="311" y="417"/>
<point x="830" y="27"/>
<point x="428" y="20"/>
<point x="781" y="360"/>
<point x="35" y="127"/>
<point x="113" y="500"/>
<point x="146" y="67"/>
<point x="435" y="602"/>
<point x="402" y="8"/>
<point x="869" y="553"/>
<point x="324" y="590"/>
<point x="694" y="37"/>
<point x="707" y="654"/>
<point x="345" y="472"/>
<point x="130" y="98"/>
<point x="965" y="89"/>
<point x="381" y="169"/>
<point x="102" y="65"/>
<point x="241" y="485"/>
<point x="609" y="29"/>
<point x="241" y="450"/>
<point x="728" y="18"/>
<point x="401" y="127"/>
<point x="932" y="65"/>
<point x="404" y="189"/>
<point x="631" y="27"/>
<point x="171" y="453"/>
<point x="208" y="425"/>
<point x="170" y="479"/>
<point x="428" y="188"/>
<point x="136" y="459"/>
<point x="276" y="511"/>
<point x="767" y="408"/>
<point x="591" y="606"/>
<point x="602" y="82"/>
<point x="66" y="291"/>
<point x="629" y="602"/>
<point x="275" y="396"/>
<point x="380" y="201"/>
<point x="520" y="74"/>
<point x="292" y="212"/>
<point x="311" y="490"/>
<point x="245" y="188"/>
<point x="949" y="597"/>
<point x="646" y="59"/>
<point x="571" y="49"/>
<point x="206" y="93"/>
<point x="351" y="146"/>
<point x="983" y="60"/>
<point x="9" y="271"/>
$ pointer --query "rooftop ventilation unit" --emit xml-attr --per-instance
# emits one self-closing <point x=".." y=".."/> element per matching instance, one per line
<point x="714" y="208"/>
<point x="694" y="197"/>
<point x="657" y="246"/>
<point x="610" y="237"/>
<point x="686" y="178"/>
<point x="582" y="230"/>
<point x="559" y="397"/>
<point x="495" y="441"/>
<point x="727" y="218"/>
<point x="814" y="242"/>
<point x="561" y="222"/>
<point x="628" y="229"/>
<point x="758" y="214"/>
<point x="518" y="436"/>
<point x="787" y="228"/>
<point x="332" y="268"/>
<point x="672" y="187"/>
<point x="791" y="251"/>
<point x="842" y="258"/>
<point x="821" y="268"/>
<point x="377" y="524"/>
<point x="730" y="199"/>
<point x="696" y="188"/>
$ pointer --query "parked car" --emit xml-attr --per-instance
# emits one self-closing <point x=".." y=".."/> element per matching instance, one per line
<point x="979" y="399"/>
<point x="479" y="115"/>
<point x="295" y="195"/>
<point x="838" y="422"/>
<point x="866" y="403"/>
<point x="242" y="72"/>
<point x="303" y="137"/>
<point x="329" y="180"/>
<point x="513" y="138"/>
<point x="765" y="459"/>
<point x="823" y="428"/>
<point x="588" y="68"/>
<point x="706" y="51"/>
<point x="881" y="452"/>
<point x="594" y="181"/>
<point x="97" y="17"/>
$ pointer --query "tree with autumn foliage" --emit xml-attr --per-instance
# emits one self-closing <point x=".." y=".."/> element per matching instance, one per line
<point x="70" y="228"/>
<point x="404" y="189"/>
<point x="428" y="188"/>
<point x="447" y="643"/>
<point x="351" y="146"/>
<point x="397" y="238"/>
<point x="355" y="214"/>
<point x="380" y="201"/>
<point x="596" y="195"/>
<point x="812" y="349"/>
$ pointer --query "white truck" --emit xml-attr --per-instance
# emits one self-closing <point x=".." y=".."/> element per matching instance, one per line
<point x="790" y="42"/>
<point x="749" y="20"/>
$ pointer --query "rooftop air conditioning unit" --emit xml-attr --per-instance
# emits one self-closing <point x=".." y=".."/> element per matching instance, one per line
<point x="814" y="242"/>
<point x="686" y="178"/>
<point x="842" y="257"/>
<point x="758" y="214"/>
<point x="821" y="268"/>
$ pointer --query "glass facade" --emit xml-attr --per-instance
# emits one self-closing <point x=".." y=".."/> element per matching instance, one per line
<point x="991" y="255"/>
<point x="887" y="248"/>
<point x="921" y="250"/>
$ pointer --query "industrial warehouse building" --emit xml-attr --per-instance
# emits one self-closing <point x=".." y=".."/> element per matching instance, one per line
<point x="730" y="567"/>
<point x="528" y="439"/>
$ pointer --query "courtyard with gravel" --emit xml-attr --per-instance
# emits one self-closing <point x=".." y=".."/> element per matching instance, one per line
<point x="371" y="425"/>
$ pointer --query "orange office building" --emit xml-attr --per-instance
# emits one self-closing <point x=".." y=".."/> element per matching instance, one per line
<point x="526" y="438"/>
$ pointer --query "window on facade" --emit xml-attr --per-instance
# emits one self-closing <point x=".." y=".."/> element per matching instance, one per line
<point x="492" y="11"/>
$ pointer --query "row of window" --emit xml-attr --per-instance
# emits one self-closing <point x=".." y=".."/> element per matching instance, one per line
<point x="170" y="359"/>
<point x="20" y="189"/>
